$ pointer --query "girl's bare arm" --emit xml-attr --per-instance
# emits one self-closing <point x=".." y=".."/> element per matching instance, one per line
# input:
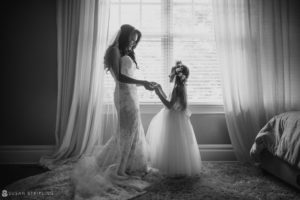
<point x="163" y="97"/>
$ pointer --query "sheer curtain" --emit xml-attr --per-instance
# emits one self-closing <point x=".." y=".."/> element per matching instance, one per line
<point x="258" y="45"/>
<point x="82" y="30"/>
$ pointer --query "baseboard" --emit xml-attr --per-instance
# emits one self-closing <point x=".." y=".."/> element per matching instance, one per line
<point x="217" y="152"/>
<point x="23" y="154"/>
<point x="30" y="154"/>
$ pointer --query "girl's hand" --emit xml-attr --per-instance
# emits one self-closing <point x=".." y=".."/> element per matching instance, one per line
<point x="148" y="86"/>
<point x="154" y="84"/>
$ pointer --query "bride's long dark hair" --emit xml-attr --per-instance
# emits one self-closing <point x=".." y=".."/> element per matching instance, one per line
<point x="123" y="41"/>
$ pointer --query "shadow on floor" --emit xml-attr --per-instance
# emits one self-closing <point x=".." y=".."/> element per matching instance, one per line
<point x="10" y="173"/>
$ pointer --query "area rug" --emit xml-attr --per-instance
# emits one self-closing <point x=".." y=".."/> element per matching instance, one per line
<point x="223" y="180"/>
<point x="218" y="181"/>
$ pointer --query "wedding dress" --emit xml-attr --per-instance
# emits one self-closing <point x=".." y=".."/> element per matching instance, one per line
<point x="173" y="146"/>
<point x="95" y="176"/>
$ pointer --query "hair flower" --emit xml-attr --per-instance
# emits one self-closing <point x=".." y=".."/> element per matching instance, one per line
<point x="178" y="63"/>
<point x="183" y="77"/>
<point x="178" y="69"/>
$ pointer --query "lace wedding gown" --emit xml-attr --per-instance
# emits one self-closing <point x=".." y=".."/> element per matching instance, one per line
<point x="126" y="150"/>
<point x="95" y="177"/>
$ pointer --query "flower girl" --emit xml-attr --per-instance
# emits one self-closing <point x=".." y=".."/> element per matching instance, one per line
<point x="173" y="147"/>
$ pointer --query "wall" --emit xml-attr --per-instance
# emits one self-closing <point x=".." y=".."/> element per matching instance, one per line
<point x="210" y="128"/>
<point x="28" y="34"/>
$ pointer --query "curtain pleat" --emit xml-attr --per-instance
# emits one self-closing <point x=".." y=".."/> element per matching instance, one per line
<point x="258" y="46"/>
<point x="82" y="29"/>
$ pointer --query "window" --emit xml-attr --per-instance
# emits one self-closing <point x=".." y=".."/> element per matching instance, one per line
<point x="172" y="30"/>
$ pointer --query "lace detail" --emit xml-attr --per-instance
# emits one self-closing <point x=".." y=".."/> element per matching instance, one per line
<point x="95" y="177"/>
<point x="126" y="151"/>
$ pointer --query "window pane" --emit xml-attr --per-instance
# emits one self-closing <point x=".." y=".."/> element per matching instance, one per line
<point x="130" y="1"/>
<point x="149" y="58"/>
<point x="130" y="14"/>
<point x="114" y="18"/>
<point x="204" y="85"/>
<point x="151" y="1"/>
<point x="182" y="1"/>
<point x="190" y="39"/>
<point x="203" y="20"/>
<point x="182" y="19"/>
<point x="151" y="18"/>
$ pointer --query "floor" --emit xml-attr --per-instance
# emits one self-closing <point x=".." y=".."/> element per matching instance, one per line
<point x="10" y="173"/>
<point x="219" y="180"/>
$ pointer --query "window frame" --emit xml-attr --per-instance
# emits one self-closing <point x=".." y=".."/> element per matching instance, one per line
<point x="167" y="38"/>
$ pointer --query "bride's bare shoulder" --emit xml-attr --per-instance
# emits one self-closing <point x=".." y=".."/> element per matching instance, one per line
<point x="126" y="57"/>
<point x="126" y="60"/>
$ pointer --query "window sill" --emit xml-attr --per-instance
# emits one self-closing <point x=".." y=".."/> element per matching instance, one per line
<point x="194" y="108"/>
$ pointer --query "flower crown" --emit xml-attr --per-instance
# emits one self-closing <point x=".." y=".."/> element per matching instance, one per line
<point x="179" y="71"/>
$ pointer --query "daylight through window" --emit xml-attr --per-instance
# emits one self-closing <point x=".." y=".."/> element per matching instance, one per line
<point x="172" y="30"/>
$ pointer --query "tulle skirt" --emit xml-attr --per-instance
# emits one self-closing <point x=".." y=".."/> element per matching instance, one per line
<point x="173" y="148"/>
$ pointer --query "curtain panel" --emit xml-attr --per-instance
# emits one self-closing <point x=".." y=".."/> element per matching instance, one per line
<point x="82" y="30"/>
<point x="258" y="46"/>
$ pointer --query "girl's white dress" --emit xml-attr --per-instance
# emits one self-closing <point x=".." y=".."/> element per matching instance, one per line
<point x="173" y="148"/>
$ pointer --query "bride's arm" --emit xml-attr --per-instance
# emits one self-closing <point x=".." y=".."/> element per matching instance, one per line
<point x="116" y="63"/>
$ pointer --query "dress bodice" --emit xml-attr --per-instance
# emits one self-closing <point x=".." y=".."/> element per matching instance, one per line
<point x="127" y="67"/>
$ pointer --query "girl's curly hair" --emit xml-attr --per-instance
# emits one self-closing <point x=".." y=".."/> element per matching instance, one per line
<point x="181" y="72"/>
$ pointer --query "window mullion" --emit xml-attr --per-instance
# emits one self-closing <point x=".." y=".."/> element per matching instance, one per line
<point x="167" y="38"/>
<point x="141" y="16"/>
<point x="119" y="7"/>
<point x="170" y="36"/>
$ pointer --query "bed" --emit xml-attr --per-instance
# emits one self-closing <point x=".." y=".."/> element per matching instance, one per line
<point x="277" y="147"/>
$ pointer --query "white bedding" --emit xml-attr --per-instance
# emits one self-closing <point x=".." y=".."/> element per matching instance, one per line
<point x="281" y="137"/>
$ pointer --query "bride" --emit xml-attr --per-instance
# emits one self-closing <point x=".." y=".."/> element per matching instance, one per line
<point x="120" y="61"/>
<point x="115" y="170"/>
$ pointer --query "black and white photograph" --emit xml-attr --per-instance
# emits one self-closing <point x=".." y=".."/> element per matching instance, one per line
<point x="150" y="100"/>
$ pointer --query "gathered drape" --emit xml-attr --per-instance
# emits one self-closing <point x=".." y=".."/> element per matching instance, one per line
<point x="258" y="46"/>
<point x="82" y="31"/>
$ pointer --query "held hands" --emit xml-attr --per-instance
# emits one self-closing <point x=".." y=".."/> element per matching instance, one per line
<point x="159" y="91"/>
<point x="150" y="85"/>
<point x="156" y="87"/>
